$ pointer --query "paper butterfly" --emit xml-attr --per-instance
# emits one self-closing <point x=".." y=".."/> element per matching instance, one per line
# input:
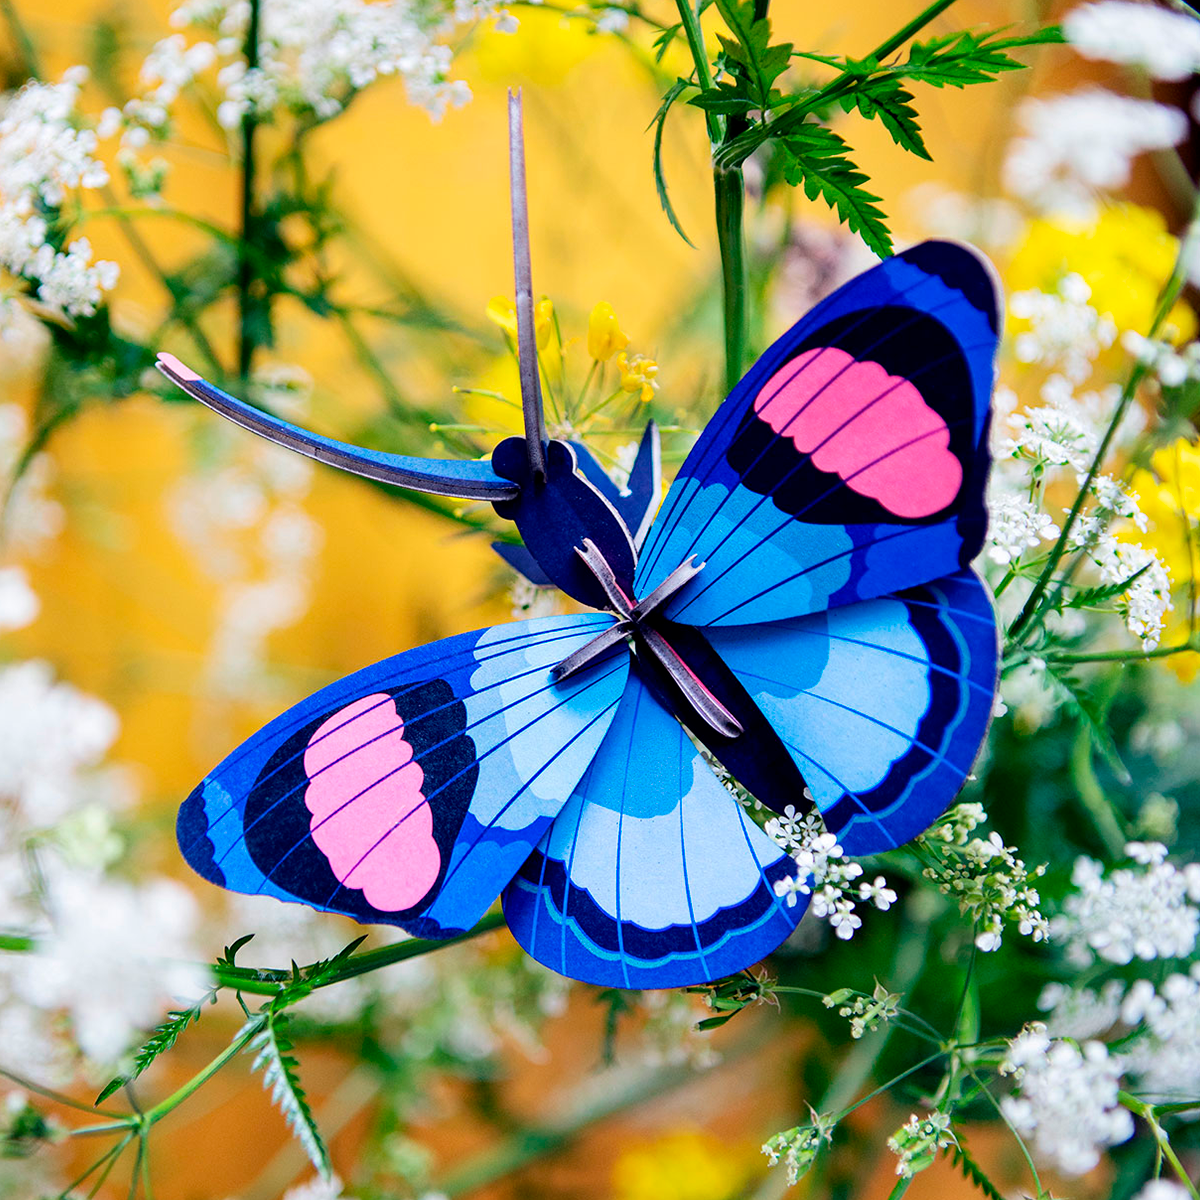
<point x="802" y="602"/>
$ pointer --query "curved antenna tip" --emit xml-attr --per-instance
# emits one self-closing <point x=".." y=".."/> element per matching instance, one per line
<point x="171" y="365"/>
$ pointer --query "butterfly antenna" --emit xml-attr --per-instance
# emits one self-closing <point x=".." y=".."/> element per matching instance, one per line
<point x="531" y="388"/>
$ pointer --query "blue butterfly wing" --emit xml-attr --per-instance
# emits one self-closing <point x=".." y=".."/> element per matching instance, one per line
<point x="653" y="875"/>
<point x="882" y="704"/>
<point x="851" y="460"/>
<point x="410" y="792"/>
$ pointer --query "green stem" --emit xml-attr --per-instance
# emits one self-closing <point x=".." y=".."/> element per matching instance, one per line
<point x="695" y="41"/>
<point x="1148" y="1114"/>
<point x="1123" y="656"/>
<point x="729" y="188"/>
<point x="268" y="982"/>
<point x="1024" y="621"/>
<point x="176" y="1098"/>
<point x="245" y="277"/>
<point x="20" y="35"/>
<point x="902" y="1185"/>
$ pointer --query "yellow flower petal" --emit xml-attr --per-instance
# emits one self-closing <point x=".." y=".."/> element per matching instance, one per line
<point x="604" y="336"/>
<point x="503" y="312"/>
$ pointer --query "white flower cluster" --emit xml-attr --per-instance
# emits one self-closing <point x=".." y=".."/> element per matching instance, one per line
<point x="1171" y="367"/>
<point x="1147" y="600"/>
<point x="1165" y="43"/>
<point x="1063" y="434"/>
<point x="312" y="58"/>
<point x="918" y="1140"/>
<point x="1146" y="911"/>
<point x="1067" y="1099"/>
<point x="824" y="872"/>
<point x="50" y="735"/>
<point x="1165" y="1054"/>
<point x="984" y="876"/>
<point x="1065" y="332"/>
<point x="110" y="957"/>
<point x="44" y="156"/>
<point x="1075" y="145"/>
<point x="242" y="516"/>
<point x="1016" y="523"/>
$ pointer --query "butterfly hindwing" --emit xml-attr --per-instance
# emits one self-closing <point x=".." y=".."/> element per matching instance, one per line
<point x="410" y="792"/>
<point x="883" y="704"/>
<point x="652" y="875"/>
<point x="851" y="460"/>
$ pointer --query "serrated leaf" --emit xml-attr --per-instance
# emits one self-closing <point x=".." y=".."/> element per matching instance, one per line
<point x="723" y="100"/>
<point x="973" y="1172"/>
<point x="750" y="53"/>
<point x="1091" y="715"/>
<point x="817" y="159"/>
<point x="272" y="1049"/>
<point x="159" y="1042"/>
<point x="1092" y="596"/>
<point x="960" y="59"/>
<point x="885" y="99"/>
<point x="660" y="182"/>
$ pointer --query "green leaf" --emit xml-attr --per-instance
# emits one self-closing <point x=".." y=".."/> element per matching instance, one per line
<point x="1092" y="597"/>
<point x="273" y="1056"/>
<point x="817" y="159"/>
<point x="660" y="182"/>
<point x="960" y="59"/>
<point x="972" y="1171"/>
<point x="159" y="1042"/>
<point x="750" y="55"/>
<point x="886" y="99"/>
<point x="723" y="100"/>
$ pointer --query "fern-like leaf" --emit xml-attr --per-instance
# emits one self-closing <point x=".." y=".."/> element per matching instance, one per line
<point x="159" y="1042"/>
<point x="819" y="159"/>
<point x="273" y="1055"/>
<point x="973" y="1172"/>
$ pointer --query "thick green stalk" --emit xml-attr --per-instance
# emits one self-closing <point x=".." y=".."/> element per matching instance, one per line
<point x="730" y="190"/>
<point x="245" y="277"/>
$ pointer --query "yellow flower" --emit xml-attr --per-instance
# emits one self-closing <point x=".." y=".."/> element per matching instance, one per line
<point x="543" y="322"/>
<point x="1125" y="254"/>
<point x="604" y="337"/>
<point x="502" y="311"/>
<point x="638" y="375"/>
<point x="1169" y="494"/>
<point x="682" y="1165"/>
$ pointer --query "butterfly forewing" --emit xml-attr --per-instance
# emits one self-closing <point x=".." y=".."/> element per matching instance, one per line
<point x="851" y="460"/>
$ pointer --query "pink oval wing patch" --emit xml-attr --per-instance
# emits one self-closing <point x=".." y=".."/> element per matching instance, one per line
<point x="871" y="429"/>
<point x="369" y="816"/>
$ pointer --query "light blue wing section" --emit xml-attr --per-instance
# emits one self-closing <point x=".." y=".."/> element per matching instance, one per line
<point x="410" y="792"/>
<point x="883" y="704"/>
<point x="652" y="875"/>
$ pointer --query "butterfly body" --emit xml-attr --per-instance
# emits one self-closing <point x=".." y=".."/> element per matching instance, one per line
<point x="802" y="606"/>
